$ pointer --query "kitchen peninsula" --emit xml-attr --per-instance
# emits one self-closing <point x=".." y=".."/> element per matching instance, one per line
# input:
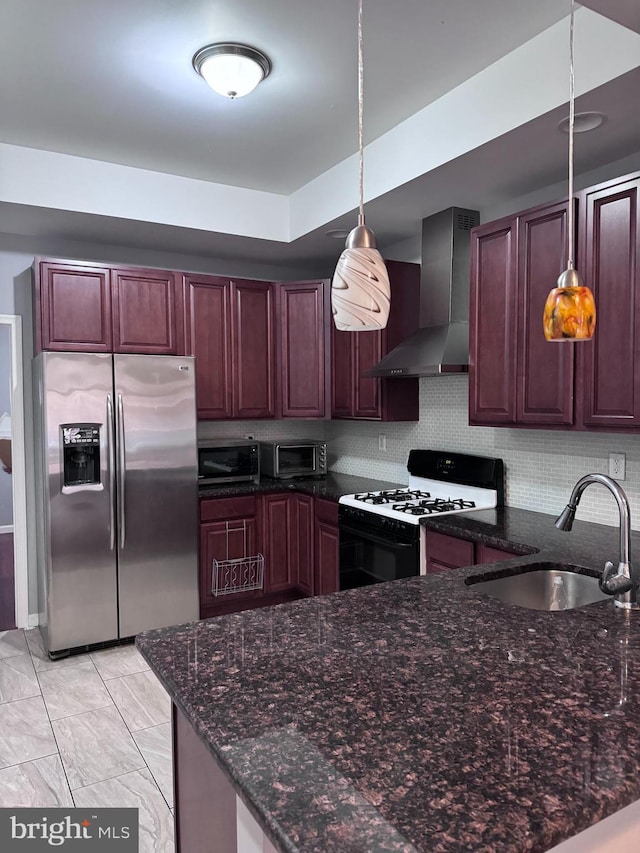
<point x="416" y="715"/>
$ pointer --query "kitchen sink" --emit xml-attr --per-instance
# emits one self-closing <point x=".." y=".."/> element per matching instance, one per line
<point x="543" y="586"/>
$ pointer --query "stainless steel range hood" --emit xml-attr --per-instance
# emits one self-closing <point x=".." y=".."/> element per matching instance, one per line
<point x="441" y="345"/>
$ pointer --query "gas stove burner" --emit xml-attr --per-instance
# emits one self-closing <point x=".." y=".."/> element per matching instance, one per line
<point x="434" y="506"/>
<point x="391" y="496"/>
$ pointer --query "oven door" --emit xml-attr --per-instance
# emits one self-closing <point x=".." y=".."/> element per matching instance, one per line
<point x="369" y="556"/>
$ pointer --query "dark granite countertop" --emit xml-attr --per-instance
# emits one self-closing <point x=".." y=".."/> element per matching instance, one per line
<point x="332" y="486"/>
<point x="419" y="715"/>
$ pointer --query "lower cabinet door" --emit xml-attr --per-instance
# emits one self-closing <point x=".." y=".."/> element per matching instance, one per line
<point x="327" y="558"/>
<point x="304" y="555"/>
<point x="280" y="541"/>
<point x="222" y="541"/>
<point x="445" y="552"/>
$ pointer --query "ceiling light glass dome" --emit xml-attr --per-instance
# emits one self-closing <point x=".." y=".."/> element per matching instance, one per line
<point x="232" y="70"/>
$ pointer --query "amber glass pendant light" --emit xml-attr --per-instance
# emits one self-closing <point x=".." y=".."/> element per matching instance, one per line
<point x="570" y="309"/>
<point x="360" y="292"/>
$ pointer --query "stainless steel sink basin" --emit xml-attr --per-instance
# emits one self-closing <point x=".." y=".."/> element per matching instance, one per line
<point x="539" y="588"/>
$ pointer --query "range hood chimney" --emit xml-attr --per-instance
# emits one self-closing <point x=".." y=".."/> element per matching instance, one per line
<point x="441" y="344"/>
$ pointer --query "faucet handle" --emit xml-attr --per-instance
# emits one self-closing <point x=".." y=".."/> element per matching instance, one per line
<point x="616" y="585"/>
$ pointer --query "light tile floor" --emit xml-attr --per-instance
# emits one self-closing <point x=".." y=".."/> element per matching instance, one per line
<point x="90" y="730"/>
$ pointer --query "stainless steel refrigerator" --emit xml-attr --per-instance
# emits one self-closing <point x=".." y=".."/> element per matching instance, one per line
<point x="117" y="495"/>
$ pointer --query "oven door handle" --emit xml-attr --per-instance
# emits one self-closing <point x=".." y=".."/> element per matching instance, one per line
<point x="386" y="543"/>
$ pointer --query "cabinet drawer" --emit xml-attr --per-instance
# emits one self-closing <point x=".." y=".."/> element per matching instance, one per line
<point x="214" y="509"/>
<point x="449" y="550"/>
<point x="327" y="511"/>
<point x="487" y="554"/>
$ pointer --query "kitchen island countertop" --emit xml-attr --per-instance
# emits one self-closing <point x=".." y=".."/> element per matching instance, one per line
<point x="419" y="715"/>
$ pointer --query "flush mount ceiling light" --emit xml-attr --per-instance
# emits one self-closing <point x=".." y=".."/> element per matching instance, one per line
<point x="232" y="70"/>
<point x="582" y="122"/>
<point x="360" y="292"/>
<point x="570" y="309"/>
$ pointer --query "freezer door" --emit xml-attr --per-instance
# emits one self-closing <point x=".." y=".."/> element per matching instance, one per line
<point x="157" y="491"/>
<point x="76" y="525"/>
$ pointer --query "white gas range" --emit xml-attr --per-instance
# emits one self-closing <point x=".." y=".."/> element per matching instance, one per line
<point x="381" y="536"/>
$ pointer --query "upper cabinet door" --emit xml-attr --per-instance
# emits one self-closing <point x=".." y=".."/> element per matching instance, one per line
<point x="73" y="307"/>
<point x="208" y="338"/>
<point x="492" y="330"/>
<point x="146" y="308"/>
<point x="608" y="262"/>
<point x="342" y="382"/>
<point x="545" y="370"/>
<point x="253" y="349"/>
<point x="368" y="352"/>
<point x="303" y="325"/>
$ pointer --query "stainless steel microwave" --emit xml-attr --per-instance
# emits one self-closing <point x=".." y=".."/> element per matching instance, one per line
<point x="293" y="458"/>
<point x="228" y="460"/>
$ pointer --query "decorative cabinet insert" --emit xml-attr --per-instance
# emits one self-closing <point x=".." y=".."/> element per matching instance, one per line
<point x="354" y="396"/>
<point x="516" y="377"/>
<point x="85" y="307"/>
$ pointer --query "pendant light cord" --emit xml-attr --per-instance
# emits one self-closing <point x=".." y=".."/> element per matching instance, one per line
<point x="571" y="259"/>
<point x="360" y="115"/>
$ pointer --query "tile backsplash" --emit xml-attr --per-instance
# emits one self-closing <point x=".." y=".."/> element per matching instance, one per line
<point x="541" y="465"/>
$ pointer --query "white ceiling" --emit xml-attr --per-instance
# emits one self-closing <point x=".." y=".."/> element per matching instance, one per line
<point x="113" y="81"/>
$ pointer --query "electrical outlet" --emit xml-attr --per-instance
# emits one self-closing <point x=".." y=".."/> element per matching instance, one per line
<point x="382" y="442"/>
<point x="617" y="465"/>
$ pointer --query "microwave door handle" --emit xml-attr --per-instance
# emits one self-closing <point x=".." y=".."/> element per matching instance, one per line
<point x="121" y="470"/>
<point x="386" y="543"/>
<point x="111" y="461"/>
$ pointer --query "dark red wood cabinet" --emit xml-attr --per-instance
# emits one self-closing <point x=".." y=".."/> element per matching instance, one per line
<point x="72" y="307"/>
<point x="516" y="377"/>
<point x="147" y="311"/>
<point x="279" y="540"/>
<point x="327" y="547"/>
<point x="229" y="328"/>
<point x="228" y="531"/>
<point x="609" y="260"/>
<point x="303" y="312"/>
<point x="288" y="542"/>
<point x="445" y="552"/>
<point x="83" y="307"/>
<point x="208" y="338"/>
<point x="253" y="353"/>
<point x="304" y="553"/>
<point x="354" y="396"/>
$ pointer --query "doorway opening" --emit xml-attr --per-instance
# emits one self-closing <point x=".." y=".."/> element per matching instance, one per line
<point x="13" y="536"/>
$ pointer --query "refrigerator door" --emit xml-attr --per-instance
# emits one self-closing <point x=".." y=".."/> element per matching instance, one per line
<point x="76" y="548"/>
<point x="157" y="491"/>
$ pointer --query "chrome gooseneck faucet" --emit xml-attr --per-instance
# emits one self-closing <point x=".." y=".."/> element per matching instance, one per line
<point x="623" y="583"/>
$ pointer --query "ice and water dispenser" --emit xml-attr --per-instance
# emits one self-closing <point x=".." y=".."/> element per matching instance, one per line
<point x="81" y="454"/>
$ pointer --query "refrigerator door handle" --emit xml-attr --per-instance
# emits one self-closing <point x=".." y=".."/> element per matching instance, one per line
<point x="111" y="455"/>
<point x="121" y="470"/>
